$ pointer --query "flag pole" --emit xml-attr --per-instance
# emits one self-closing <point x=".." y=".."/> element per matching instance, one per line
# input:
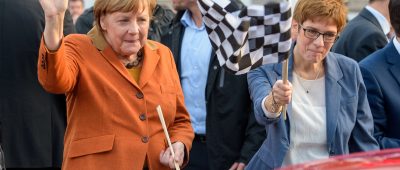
<point x="160" y="115"/>
<point x="285" y="81"/>
<point x="285" y="72"/>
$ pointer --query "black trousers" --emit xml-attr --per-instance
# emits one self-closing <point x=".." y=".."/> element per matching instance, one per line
<point x="198" y="158"/>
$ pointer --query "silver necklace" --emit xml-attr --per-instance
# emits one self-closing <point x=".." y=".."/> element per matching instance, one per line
<point x="301" y="83"/>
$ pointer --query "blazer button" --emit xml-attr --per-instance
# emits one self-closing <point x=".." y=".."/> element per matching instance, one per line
<point x="139" y="95"/>
<point x="142" y="117"/>
<point x="145" y="139"/>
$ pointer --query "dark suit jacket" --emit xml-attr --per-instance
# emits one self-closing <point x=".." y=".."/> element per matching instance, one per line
<point x="32" y="120"/>
<point x="381" y="72"/>
<point x="362" y="36"/>
<point x="231" y="130"/>
<point x="348" y="117"/>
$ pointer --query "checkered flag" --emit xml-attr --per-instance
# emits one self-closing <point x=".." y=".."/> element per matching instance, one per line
<point x="247" y="38"/>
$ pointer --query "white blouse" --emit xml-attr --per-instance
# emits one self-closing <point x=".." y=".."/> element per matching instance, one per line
<point x="308" y="139"/>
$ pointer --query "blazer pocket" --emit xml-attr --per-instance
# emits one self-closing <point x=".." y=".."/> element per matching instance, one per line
<point x="91" y="145"/>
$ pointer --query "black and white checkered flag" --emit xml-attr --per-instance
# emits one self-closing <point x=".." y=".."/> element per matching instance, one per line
<point x="245" y="39"/>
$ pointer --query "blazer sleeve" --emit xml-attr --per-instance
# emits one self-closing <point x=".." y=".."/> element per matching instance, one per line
<point x="377" y="104"/>
<point x="182" y="129"/>
<point x="259" y="87"/>
<point x="362" y="135"/>
<point x="57" y="70"/>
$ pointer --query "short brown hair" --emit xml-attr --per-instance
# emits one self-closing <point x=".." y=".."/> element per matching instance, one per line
<point x="103" y="7"/>
<point x="310" y="9"/>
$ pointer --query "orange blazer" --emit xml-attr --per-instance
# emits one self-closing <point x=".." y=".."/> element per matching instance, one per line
<point x="112" y="122"/>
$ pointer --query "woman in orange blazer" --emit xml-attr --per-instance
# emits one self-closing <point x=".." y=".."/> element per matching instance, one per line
<point x="113" y="79"/>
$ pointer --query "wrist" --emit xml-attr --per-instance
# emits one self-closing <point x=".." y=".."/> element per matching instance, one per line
<point x="271" y="105"/>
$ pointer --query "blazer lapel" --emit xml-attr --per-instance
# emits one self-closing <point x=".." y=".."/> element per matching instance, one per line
<point x="393" y="58"/>
<point x="332" y="95"/>
<point x="150" y="61"/>
<point x="370" y="17"/>
<point x="108" y="53"/>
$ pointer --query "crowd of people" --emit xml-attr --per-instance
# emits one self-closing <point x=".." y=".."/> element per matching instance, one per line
<point x="79" y="88"/>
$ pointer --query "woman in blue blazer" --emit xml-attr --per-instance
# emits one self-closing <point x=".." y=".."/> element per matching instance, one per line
<point x="328" y="112"/>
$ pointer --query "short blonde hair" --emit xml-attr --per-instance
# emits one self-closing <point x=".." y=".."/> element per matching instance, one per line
<point x="103" y="7"/>
<point x="330" y="9"/>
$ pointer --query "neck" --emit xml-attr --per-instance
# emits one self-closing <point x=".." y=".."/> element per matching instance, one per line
<point x="196" y="14"/>
<point x="308" y="71"/>
<point x="381" y="7"/>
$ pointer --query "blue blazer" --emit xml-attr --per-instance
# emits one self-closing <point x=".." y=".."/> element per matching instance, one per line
<point x="381" y="72"/>
<point x="349" y="119"/>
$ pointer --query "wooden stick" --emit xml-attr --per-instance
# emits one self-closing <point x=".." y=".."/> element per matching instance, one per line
<point x="160" y="115"/>
<point x="285" y="80"/>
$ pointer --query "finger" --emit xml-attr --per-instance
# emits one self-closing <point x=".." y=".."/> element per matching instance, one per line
<point x="163" y="159"/>
<point x="234" y="166"/>
<point x="241" y="166"/>
<point x="171" y="162"/>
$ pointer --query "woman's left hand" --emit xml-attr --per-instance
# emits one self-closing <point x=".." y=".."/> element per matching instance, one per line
<point x="166" y="156"/>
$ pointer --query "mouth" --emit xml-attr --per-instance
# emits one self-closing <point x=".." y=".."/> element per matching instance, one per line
<point x="131" y="41"/>
<point x="316" y="52"/>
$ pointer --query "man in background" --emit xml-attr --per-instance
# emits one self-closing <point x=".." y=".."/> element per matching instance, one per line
<point x="381" y="73"/>
<point x="366" y="33"/>
<point x="226" y="133"/>
<point x="32" y="121"/>
<point x="76" y="8"/>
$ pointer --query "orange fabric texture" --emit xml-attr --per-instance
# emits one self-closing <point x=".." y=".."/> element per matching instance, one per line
<point x="112" y="121"/>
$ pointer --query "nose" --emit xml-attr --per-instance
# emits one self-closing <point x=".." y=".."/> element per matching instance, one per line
<point x="133" y="28"/>
<point x="319" y="41"/>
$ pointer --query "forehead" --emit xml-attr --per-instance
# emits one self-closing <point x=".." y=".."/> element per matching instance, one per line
<point x="321" y="24"/>
<point x="142" y="13"/>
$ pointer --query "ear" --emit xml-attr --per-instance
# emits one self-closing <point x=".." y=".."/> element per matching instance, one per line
<point x="295" y="25"/>
<point x="294" y="30"/>
<point x="102" y="23"/>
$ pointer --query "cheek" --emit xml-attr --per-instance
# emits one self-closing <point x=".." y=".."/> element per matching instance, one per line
<point x="144" y="30"/>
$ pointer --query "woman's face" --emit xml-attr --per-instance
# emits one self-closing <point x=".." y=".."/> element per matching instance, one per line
<point x="312" y="50"/>
<point x="126" y="32"/>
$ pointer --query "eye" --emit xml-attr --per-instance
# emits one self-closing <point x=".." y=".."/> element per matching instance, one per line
<point x="123" y="20"/>
<point x="330" y="35"/>
<point x="312" y="32"/>
<point x="142" y="19"/>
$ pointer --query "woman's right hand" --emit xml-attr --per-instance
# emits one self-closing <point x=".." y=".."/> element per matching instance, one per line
<point x="53" y="8"/>
<point x="282" y="93"/>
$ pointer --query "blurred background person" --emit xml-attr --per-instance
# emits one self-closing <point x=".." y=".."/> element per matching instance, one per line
<point x="76" y="8"/>
<point x="226" y="133"/>
<point x="381" y="73"/>
<point x="32" y="121"/>
<point x="159" y="24"/>
<point x="366" y="33"/>
<point x="114" y="78"/>
<point x="328" y="112"/>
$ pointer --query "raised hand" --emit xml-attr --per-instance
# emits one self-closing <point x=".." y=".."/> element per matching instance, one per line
<point x="53" y="8"/>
